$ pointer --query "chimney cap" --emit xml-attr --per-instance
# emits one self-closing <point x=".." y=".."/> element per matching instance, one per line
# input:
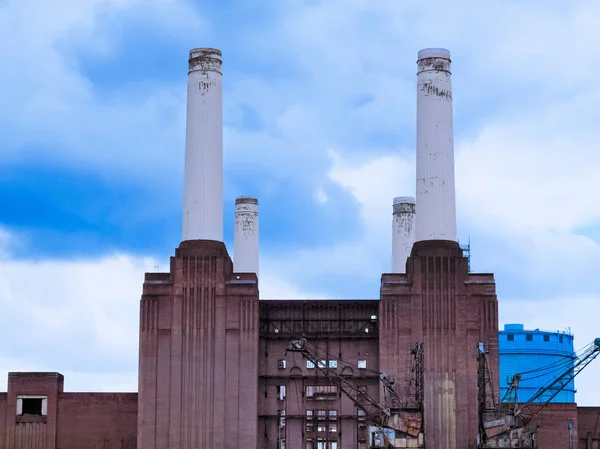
<point x="434" y="53"/>
<point x="404" y="200"/>
<point x="246" y="200"/>
<point x="205" y="53"/>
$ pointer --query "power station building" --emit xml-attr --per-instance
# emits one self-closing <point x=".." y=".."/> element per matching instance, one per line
<point x="216" y="365"/>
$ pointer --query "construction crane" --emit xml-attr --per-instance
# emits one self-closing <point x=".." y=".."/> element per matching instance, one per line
<point x="399" y="422"/>
<point x="508" y="421"/>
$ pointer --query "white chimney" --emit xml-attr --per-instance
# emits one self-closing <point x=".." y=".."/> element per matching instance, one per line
<point x="436" y="203"/>
<point x="203" y="185"/>
<point x="245" y="237"/>
<point x="403" y="232"/>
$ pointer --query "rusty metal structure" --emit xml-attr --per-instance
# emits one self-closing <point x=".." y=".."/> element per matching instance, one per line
<point x="401" y="415"/>
<point x="510" y="423"/>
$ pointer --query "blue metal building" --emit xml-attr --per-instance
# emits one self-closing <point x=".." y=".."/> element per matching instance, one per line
<point x="540" y="354"/>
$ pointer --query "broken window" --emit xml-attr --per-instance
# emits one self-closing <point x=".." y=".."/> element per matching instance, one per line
<point x="281" y="390"/>
<point x="321" y="392"/>
<point x="333" y="427"/>
<point x="281" y="364"/>
<point x="32" y="405"/>
<point x="281" y="414"/>
<point x="281" y="444"/>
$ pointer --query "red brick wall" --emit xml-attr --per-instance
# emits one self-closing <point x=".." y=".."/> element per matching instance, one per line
<point x="198" y="352"/>
<point x="32" y="432"/>
<point x="588" y="424"/>
<point x="553" y="426"/>
<point x="97" y="420"/>
<point x="3" y="398"/>
<point x="73" y="420"/>
<point x="450" y="310"/>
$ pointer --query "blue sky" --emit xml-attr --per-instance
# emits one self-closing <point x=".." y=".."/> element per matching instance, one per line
<point x="319" y="123"/>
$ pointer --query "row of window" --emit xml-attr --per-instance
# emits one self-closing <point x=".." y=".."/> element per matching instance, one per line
<point x="326" y="420"/>
<point x="322" y="443"/>
<point x="315" y="392"/>
<point x="281" y="364"/>
<point x="318" y="392"/>
<point x="529" y="337"/>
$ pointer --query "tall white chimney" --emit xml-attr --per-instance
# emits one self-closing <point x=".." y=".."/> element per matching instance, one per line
<point x="403" y="232"/>
<point x="203" y="185"/>
<point x="245" y="237"/>
<point x="436" y="203"/>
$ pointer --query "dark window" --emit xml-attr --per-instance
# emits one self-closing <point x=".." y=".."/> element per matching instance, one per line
<point x="546" y="338"/>
<point x="510" y="337"/>
<point x="32" y="406"/>
<point x="560" y="338"/>
<point x="528" y="337"/>
<point x="281" y="364"/>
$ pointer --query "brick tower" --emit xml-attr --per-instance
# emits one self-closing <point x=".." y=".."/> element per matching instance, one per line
<point x="199" y="322"/>
<point x="437" y="301"/>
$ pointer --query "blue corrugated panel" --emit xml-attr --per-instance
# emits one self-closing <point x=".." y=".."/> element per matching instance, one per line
<point x="525" y="350"/>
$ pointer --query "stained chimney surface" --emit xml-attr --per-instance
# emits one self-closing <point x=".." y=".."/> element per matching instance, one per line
<point x="203" y="182"/>
<point x="245" y="239"/>
<point x="403" y="232"/>
<point x="436" y="203"/>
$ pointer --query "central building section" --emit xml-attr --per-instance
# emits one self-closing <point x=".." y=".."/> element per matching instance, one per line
<point x="220" y="369"/>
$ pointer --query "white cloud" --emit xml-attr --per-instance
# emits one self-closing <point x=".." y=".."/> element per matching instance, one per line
<point x="321" y="197"/>
<point x="81" y="317"/>
<point x="272" y="287"/>
<point x="49" y="101"/>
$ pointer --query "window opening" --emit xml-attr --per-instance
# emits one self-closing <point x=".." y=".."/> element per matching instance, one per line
<point x="321" y="392"/>
<point x="32" y="406"/>
<point x="281" y="390"/>
<point x="281" y="414"/>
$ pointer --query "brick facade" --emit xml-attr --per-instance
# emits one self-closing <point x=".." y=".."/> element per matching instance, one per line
<point x="438" y="302"/>
<point x="68" y="420"/>
<point x="214" y="370"/>
<point x="588" y="427"/>
<point x="198" y="344"/>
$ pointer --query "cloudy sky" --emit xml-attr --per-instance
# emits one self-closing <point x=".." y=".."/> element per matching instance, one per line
<point x="319" y="115"/>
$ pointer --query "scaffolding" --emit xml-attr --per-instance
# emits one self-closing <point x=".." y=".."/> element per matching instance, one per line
<point x="466" y="249"/>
